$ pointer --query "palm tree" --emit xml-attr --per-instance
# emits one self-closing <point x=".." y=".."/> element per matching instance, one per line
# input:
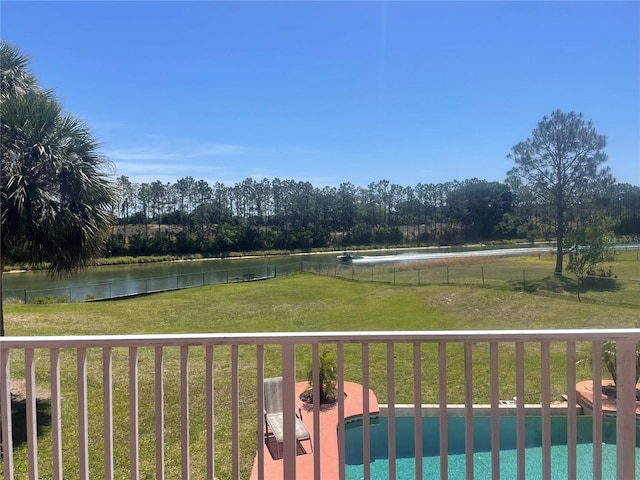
<point x="15" y="78"/>
<point x="55" y="195"/>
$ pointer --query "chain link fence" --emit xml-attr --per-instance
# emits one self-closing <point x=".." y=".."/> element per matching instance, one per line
<point x="611" y="290"/>
<point x="142" y="286"/>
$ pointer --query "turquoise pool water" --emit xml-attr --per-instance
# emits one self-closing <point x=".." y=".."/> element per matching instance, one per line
<point x="405" y="462"/>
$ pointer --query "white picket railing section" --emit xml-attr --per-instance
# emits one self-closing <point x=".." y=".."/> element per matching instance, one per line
<point x="18" y="361"/>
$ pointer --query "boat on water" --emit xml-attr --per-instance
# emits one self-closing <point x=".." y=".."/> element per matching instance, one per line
<point x="347" y="257"/>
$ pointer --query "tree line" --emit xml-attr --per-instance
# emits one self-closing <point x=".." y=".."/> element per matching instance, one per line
<point x="192" y="216"/>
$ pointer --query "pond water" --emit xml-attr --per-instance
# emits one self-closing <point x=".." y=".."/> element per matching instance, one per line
<point x="121" y="280"/>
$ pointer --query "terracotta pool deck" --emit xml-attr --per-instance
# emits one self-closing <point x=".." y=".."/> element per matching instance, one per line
<point x="328" y="446"/>
<point x="584" y="397"/>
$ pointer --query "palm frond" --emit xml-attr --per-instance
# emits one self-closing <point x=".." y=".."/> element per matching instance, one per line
<point x="15" y="78"/>
<point x="55" y="194"/>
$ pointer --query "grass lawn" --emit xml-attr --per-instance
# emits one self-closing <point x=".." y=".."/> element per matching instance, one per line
<point x="299" y="303"/>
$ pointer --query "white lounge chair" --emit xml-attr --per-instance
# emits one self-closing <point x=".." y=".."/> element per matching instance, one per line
<point x="274" y="417"/>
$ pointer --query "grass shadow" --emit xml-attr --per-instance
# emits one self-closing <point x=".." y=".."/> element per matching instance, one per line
<point x="19" y="419"/>
<point x="600" y="284"/>
<point x="565" y="284"/>
<point x="550" y="283"/>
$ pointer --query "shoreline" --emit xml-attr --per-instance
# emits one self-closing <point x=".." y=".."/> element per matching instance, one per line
<point x="151" y="259"/>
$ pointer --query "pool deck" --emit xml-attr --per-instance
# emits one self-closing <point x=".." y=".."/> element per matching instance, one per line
<point x="584" y="397"/>
<point x="328" y="445"/>
<point x="327" y="449"/>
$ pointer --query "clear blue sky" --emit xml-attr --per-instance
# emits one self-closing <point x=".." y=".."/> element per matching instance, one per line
<point x="332" y="92"/>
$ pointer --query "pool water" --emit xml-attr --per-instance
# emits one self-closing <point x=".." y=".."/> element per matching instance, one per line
<point x="405" y="462"/>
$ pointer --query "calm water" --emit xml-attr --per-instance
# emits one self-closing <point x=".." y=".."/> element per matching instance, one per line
<point x="405" y="463"/>
<point x="119" y="280"/>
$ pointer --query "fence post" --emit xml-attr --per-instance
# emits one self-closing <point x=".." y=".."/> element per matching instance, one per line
<point x="482" y="272"/>
<point x="25" y="296"/>
<point x="447" y="274"/>
<point x="394" y="275"/>
<point x="110" y="294"/>
<point x="524" y="282"/>
<point x="70" y="290"/>
<point x="288" y="406"/>
<point x="625" y="425"/>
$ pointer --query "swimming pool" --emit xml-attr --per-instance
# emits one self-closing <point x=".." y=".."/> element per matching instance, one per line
<point x="405" y="462"/>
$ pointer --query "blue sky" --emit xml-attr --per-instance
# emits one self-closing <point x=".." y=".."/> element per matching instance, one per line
<point x="332" y="92"/>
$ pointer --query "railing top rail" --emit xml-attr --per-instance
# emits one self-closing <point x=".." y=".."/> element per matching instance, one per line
<point x="280" y="338"/>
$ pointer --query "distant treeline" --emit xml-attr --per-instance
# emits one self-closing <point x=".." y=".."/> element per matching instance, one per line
<point x="190" y="216"/>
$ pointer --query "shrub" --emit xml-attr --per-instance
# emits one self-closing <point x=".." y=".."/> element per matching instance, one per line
<point x="328" y="378"/>
<point x="49" y="299"/>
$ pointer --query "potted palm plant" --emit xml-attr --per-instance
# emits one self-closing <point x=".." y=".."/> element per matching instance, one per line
<point x="609" y="362"/>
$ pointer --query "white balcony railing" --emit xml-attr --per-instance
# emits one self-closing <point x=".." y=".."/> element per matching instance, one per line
<point x="103" y="376"/>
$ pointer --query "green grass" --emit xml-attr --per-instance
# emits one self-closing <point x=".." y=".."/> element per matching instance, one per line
<point x="527" y="274"/>
<point x="299" y="303"/>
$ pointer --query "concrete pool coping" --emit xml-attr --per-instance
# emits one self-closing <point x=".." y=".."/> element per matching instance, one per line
<point x="479" y="410"/>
